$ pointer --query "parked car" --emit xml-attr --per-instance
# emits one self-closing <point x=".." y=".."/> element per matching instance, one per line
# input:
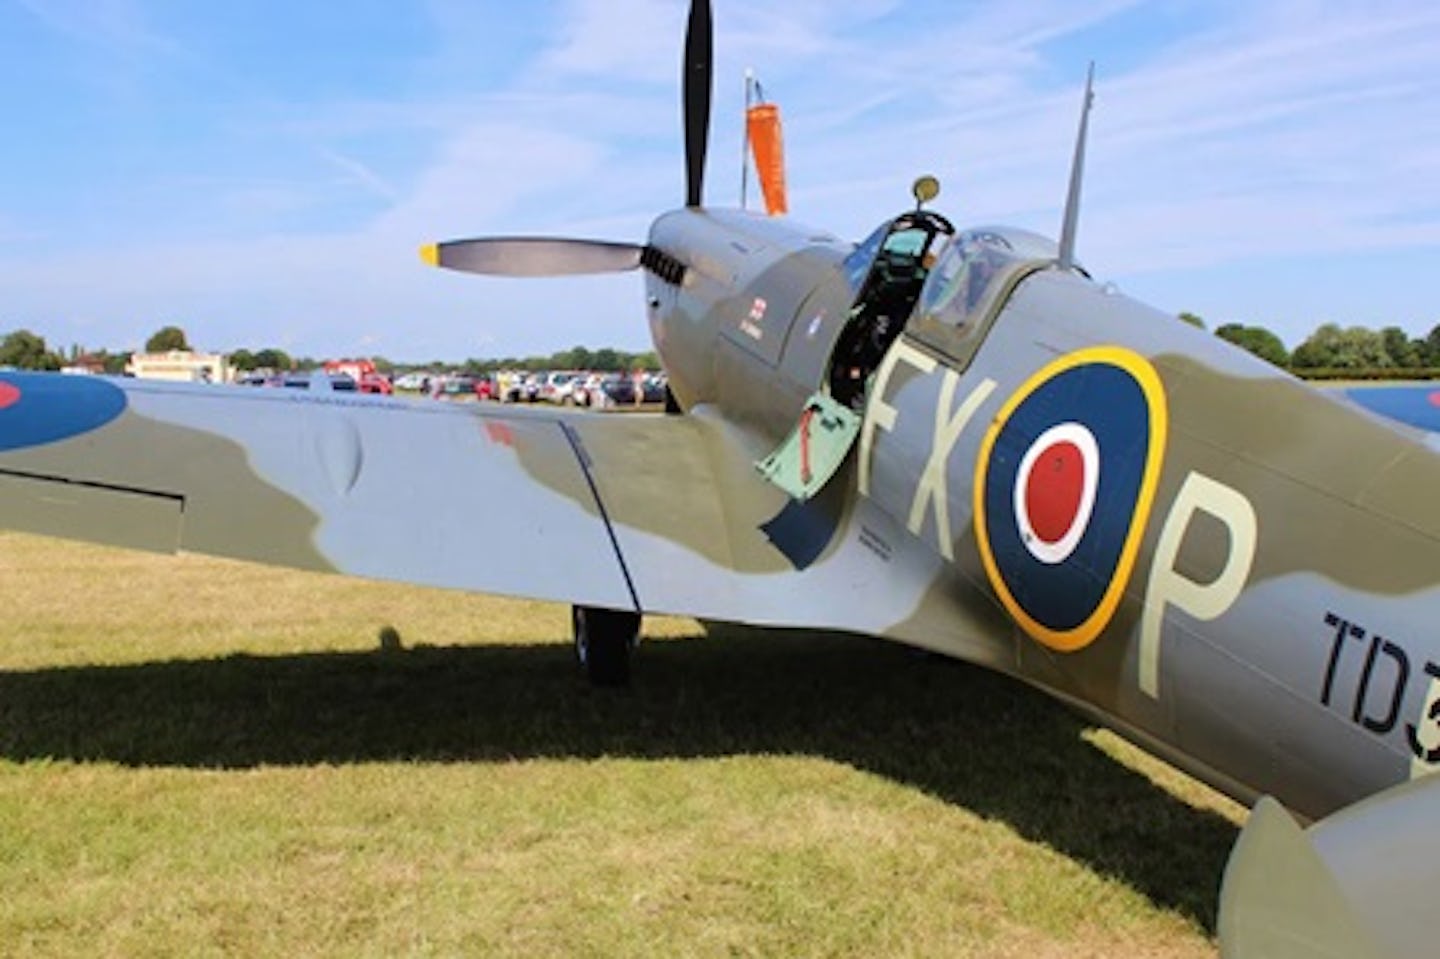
<point x="319" y="380"/>
<point x="374" y="383"/>
<point x="654" y="388"/>
<point x="616" y="389"/>
<point x="458" y="388"/>
<point x="412" y="382"/>
<point x="559" y="387"/>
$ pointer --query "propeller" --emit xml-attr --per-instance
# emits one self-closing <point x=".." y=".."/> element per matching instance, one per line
<point x="697" y="85"/>
<point x="559" y="256"/>
<point x="533" y="256"/>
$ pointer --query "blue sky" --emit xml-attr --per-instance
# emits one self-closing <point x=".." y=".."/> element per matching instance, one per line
<point x="261" y="173"/>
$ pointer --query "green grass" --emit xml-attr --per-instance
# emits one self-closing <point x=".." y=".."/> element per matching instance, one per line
<point x="201" y="757"/>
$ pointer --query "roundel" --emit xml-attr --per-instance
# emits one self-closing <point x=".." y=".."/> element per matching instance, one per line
<point x="38" y="408"/>
<point x="1063" y="487"/>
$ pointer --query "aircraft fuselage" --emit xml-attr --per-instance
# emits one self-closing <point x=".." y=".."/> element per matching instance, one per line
<point x="1221" y="562"/>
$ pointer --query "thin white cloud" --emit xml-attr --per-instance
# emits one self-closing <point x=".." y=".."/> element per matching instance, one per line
<point x="118" y="26"/>
<point x="616" y="39"/>
<point x="360" y="174"/>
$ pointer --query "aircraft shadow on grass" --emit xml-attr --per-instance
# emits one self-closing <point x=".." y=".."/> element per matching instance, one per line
<point x="967" y="736"/>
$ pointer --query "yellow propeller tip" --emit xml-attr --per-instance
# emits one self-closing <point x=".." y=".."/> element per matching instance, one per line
<point x="430" y="253"/>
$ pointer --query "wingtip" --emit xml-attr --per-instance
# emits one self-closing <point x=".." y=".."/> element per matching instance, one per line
<point x="430" y="254"/>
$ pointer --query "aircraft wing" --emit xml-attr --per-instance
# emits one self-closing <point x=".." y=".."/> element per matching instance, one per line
<point x="1360" y="883"/>
<point x="635" y="511"/>
<point x="1416" y="405"/>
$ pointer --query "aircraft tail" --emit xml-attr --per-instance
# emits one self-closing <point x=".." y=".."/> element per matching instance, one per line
<point x="1356" y="885"/>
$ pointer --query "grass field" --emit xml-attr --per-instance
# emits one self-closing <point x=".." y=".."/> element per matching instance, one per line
<point x="209" y="758"/>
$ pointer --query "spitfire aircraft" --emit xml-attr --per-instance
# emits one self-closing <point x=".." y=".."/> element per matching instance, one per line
<point x="951" y="438"/>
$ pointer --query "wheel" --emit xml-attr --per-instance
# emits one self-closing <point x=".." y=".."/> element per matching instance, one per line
<point x="603" y="641"/>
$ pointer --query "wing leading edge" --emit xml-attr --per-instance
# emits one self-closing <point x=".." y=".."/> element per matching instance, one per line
<point x="424" y="493"/>
<point x="645" y="512"/>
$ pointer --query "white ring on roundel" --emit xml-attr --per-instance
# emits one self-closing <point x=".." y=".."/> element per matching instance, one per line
<point x="1057" y="552"/>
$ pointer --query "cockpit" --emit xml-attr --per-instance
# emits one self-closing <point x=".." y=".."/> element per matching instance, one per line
<point x="916" y="271"/>
<point x="897" y="250"/>
<point x="886" y="273"/>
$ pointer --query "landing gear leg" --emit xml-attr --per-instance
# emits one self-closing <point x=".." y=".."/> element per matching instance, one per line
<point x="603" y="641"/>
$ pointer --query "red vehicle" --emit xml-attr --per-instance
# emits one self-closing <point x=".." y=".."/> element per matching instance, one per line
<point x="374" y="383"/>
<point x="363" y="372"/>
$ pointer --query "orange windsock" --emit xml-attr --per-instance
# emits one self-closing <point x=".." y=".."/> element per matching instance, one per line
<point x="763" y="121"/>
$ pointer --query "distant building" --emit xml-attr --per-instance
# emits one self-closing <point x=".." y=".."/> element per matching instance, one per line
<point x="85" y="364"/>
<point x="187" y="366"/>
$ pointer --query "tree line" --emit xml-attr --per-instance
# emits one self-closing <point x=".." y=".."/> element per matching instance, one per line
<point x="23" y="349"/>
<point x="1330" y="351"/>
<point x="1335" y="351"/>
<point x="602" y="360"/>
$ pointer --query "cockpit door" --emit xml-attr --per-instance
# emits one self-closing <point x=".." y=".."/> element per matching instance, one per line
<point x="814" y="450"/>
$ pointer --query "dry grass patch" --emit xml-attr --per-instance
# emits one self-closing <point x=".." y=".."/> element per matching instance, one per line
<point x="203" y="758"/>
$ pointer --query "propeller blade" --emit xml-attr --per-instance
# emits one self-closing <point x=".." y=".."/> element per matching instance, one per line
<point x="697" y="84"/>
<point x="532" y="256"/>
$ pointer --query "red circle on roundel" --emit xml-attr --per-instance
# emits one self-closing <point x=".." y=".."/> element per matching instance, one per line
<point x="9" y="395"/>
<point x="1435" y="398"/>
<point x="1053" y="491"/>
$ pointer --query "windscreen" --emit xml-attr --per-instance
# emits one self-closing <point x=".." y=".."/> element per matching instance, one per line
<point x="973" y="269"/>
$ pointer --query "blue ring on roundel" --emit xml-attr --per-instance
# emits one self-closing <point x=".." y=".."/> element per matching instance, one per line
<point x="1110" y="403"/>
<point x="39" y="408"/>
